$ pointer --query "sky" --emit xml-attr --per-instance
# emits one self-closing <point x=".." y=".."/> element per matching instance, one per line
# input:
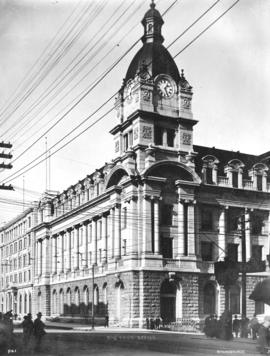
<point x="52" y="52"/>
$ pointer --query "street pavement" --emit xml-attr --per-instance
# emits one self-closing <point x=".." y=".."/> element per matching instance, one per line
<point x="81" y="340"/>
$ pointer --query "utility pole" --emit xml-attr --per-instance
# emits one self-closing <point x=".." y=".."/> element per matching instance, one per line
<point x="244" y="261"/>
<point x="93" y="296"/>
<point x="4" y="165"/>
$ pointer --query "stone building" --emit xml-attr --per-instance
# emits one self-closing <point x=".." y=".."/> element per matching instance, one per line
<point x="17" y="263"/>
<point x="142" y="232"/>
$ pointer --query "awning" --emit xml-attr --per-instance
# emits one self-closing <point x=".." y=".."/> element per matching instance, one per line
<point x="261" y="292"/>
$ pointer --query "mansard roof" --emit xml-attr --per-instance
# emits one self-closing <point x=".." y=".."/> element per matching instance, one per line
<point x="225" y="156"/>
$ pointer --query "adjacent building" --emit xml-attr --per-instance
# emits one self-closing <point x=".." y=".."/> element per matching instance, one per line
<point x="142" y="232"/>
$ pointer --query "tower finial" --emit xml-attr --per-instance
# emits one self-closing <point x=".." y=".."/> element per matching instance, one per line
<point x="152" y="5"/>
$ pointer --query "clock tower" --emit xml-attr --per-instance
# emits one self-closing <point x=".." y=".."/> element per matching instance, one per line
<point x="154" y="104"/>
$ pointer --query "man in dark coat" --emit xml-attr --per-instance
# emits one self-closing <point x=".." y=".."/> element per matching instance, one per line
<point x="236" y="326"/>
<point x="28" y="328"/>
<point x="39" y="331"/>
<point x="263" y="336"/>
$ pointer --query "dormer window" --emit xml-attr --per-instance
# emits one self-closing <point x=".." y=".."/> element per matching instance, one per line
<point x="258" y="175"/>
<point x="209" y="169"/>
<point x="234" y="172"/>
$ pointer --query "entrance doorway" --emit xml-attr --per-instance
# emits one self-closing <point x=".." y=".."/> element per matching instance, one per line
<point x="168" y="301"/>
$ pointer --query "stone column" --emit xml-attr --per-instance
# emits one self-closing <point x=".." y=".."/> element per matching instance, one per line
<point x="104" y="238"/>
<point x="40" y="258"/>
<point x="132" y="222"/>
<point x="118" y="231"/>
<point x="77" y="250"/>
<point x="112" y="212"/>
<point x="221" y="234"/>
<point x="85" y="244"/>
<point x="180" y="229"/>
<point x="147" y="225"/>
<point x="191" y="229"/>
<point x="156" y="227"/>
<point x="95" y="241"/>
<point x="68" y="250"/>
<point x="62" y="237"/>
<point x="247" y="231"/>
<point x="54" y="253"/>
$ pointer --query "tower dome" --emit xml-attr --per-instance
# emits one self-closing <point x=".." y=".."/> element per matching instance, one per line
<point x="153" y="54"/>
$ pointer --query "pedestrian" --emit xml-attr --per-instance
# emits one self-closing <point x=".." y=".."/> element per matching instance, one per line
<point x="7" y="320"/>
<point x="147" y="323"/>
<point x="236" y="326"/>
<point x="209" y="325"/>
<point x="152" y="324"/>
<point x="158" y="323"/>
<point x="254" y="327"/>
<point x="106" y="324"/>
<point x="225" y="332"/>
<point x="244" y="326"/>
<point x="39" y="331"/>
<point x="4" y="336"/>
<point x="263" y="335"/>
<point x="28" y="328"/>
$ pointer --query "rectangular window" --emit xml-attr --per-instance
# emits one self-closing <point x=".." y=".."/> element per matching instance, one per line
<point x="209" y="175"/>
<point x="158" y="135"/>
<point x="207" y="251"/>
<point x="20" y="277"/>
<point x="25" y="242"/>
<point x="15" y="247"/>
<point x="206" y="219"/>
<point x="166" y="214"/>
<point x="259" y="182"/>
<point x="170" y="137"/>
<point x="72" y="239"/>
<point x="124" y="247"/>
<point x="90" y="258"/>
<point x="20" y="245"/>
<point x="257" y="252"/>
<point x="125" y="141"/>
<point x="29" y="275"/>
<point x="232" y="252"/>
<point x="81" y="236"/>
<point x="29" y="221"/>
<point x="20" y="262"/>
<point x="124" y="218"/>
<point x="130" y="138"/>
<point x="257" y="224"/>
<point x="100" y="229"/>
<point x="100" y="255"/>
<point x="90" y="233"/>
<point x="235" y="179"/>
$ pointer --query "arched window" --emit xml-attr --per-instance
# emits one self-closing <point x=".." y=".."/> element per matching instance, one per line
<point x="209" y="299"/>
<point x="69" y="297"/>
<point x="61" y="302"/>
<point x="77" y="297"/>
<point x="234" y="299"/>
<point x="54" y="302"/>
<point x="85" y="295"/>
<point x="179" y="302"/>
<point x="30" y="303"/>
<point x="25" y="304"/>
<point x="105" y="296"/>
<point x="39" y="302"/>
<point x="20" y="304"/>
<point x="96" y="299"/>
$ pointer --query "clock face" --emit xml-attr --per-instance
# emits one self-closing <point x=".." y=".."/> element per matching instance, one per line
<point x="165" y="88"/>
